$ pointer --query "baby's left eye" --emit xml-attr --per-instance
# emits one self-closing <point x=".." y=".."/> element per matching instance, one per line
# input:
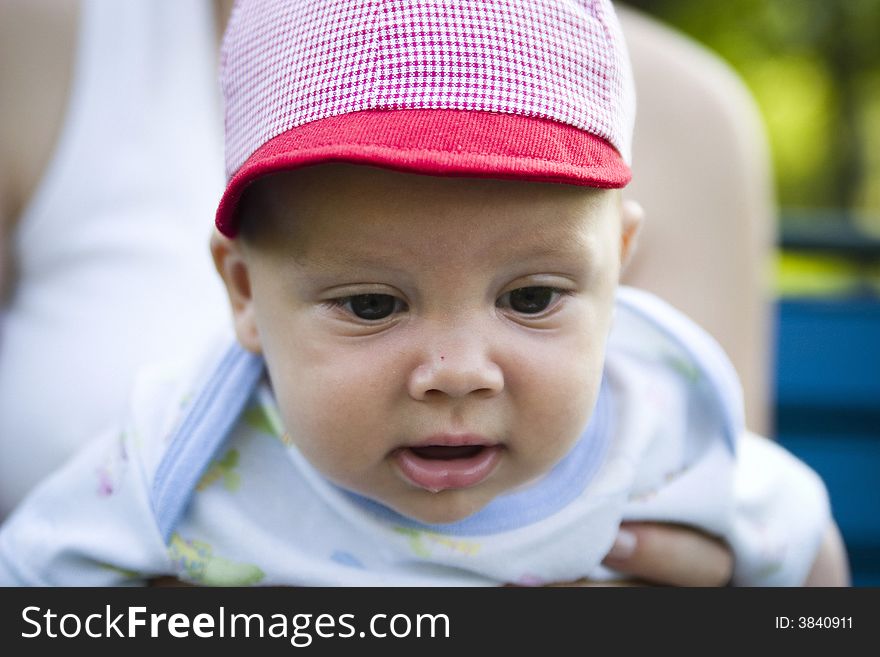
<point x="528" y="300"/>
<point x="372" y="307"/>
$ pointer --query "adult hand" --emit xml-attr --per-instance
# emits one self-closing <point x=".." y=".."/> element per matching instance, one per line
<point x="664" y="554"/>
<point x="672" y="555"/>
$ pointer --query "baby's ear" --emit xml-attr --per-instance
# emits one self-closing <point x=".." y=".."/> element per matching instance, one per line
<point x="233" y="269"/>
<point x="631" y="217"/>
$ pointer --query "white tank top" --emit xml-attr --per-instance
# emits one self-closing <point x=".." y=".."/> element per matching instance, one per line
<point x="113" y="252"/>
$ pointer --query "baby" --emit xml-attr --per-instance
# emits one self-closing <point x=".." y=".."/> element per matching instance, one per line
<point x="436" y="379"/>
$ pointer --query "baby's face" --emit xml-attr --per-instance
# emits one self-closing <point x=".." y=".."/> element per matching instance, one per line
<point x="432" y="342"/>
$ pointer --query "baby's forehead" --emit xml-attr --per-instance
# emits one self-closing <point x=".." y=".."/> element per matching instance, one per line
<point x="337" y="221"/>
<point x="362" y="199"/>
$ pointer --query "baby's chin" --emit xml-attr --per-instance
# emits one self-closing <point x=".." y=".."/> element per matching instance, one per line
<point x="441" y="508"/>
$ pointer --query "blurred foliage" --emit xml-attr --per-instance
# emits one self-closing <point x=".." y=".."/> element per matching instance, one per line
<point x="814" y="69"/>
<point x="803" y="275"/>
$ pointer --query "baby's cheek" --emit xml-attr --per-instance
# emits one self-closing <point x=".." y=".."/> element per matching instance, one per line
<point x="565" y="394"/>
<point x="331" y="423"/>
<point x="569" y="362"/>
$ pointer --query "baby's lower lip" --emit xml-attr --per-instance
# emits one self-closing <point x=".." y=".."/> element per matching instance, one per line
<point x="444" y="468"/>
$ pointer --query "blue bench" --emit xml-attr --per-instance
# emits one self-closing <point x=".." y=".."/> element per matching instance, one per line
<point x="828" y="411"/>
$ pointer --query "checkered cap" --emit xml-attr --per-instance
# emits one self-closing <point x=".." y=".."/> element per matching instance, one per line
<point x="524" y="89"/>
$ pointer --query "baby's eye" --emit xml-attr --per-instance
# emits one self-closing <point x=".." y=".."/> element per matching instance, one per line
<point x="372" y="306"/>
<point x="528" y="300"/>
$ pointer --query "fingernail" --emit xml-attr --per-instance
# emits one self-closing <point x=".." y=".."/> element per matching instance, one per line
<point x="624" y="545"/>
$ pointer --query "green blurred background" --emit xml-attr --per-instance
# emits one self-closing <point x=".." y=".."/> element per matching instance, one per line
<point x="813" y="67"/>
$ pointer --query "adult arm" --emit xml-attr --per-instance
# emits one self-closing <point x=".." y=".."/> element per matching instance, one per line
<point x="37" y="41"/>
<point x="671" y="555"/>
<point x="831" y="567"/>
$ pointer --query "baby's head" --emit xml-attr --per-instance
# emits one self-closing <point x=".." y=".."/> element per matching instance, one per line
<point x="431" y="302"/>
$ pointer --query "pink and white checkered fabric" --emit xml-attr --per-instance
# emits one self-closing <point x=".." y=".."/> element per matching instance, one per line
<point x="288" y="63"/>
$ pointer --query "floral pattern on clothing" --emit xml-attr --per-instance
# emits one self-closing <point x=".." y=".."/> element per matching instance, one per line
<point x="196" y="561"/>
<point x="222" y="469"/>
<point x="110" y="472"/>
<point x="426" y="543"/>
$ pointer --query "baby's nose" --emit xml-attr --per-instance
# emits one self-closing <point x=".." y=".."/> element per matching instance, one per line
<point x="456" y="371"/>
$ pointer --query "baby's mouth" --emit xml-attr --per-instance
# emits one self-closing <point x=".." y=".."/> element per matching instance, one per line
<point x="443" y="467"/>
<point x="447" y="453"/>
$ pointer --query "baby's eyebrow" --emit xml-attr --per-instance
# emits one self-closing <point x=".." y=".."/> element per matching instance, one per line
<point x="503" y="251"/>
<point x="572" y="249"/>
<point x="391" y="262"/>
<point x="341" y="261"/>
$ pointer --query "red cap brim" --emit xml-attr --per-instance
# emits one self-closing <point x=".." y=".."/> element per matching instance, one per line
<point x="464" y="143"/>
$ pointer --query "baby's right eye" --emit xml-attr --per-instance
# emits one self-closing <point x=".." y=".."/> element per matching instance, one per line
<point x="372" y="307"/>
